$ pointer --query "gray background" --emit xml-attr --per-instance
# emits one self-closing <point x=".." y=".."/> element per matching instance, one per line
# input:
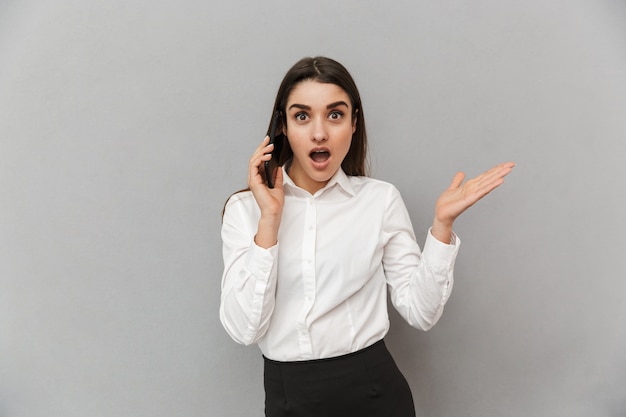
<point x="124" y="126"/>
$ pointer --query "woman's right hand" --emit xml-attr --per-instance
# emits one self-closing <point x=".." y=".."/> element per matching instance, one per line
<point x="270" y="200"/>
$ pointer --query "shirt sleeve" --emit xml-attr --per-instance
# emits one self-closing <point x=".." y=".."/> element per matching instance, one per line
<point x="420" y="283"/>
<point x="249" y="279"/>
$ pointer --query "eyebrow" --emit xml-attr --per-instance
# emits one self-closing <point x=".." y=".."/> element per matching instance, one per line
<point x="330" y="106"/>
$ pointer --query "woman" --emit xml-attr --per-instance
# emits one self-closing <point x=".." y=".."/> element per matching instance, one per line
<point x="308" y="262"/>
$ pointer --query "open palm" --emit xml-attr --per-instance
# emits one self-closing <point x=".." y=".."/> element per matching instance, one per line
<point x="462" y="195"/>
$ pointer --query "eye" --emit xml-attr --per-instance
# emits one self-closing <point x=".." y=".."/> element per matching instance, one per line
<point x="301" y="117"/>
<point x="335" y="115"/>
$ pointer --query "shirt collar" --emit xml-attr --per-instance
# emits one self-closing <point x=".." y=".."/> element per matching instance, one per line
<point x="340" y="179"/>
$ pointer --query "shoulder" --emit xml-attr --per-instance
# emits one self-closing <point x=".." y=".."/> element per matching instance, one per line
<point x="372" y="185"/>
<point x="241" y="201"/>
<point x="239" y="197"/>
<point x="379" y="194"/>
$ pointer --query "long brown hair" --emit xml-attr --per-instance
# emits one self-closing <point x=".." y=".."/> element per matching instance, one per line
<point x="324" y="70"/>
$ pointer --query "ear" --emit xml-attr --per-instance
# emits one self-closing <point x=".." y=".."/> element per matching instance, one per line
<point x="354" y="119"/>
<point x="282" y="122"/>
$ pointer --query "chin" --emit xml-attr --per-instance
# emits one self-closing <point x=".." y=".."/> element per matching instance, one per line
<point x="323" y="176"/>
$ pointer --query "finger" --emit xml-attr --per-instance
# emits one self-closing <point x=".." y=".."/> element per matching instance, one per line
<point x="263" y="143"/>
<point x="256" y="162"/>
<point x="488" y="187"/>
<point x="457" y="181"/>
<point x="490" y="182"/>
<point x="278" y="181"/>
<point x="256" y="168"/>
<point x="494" y="175"/>
<point x="500" y="170"/>
<point x="262" y="152"/>
<point x="495" y="178"/>
<point x="264" y="148"/>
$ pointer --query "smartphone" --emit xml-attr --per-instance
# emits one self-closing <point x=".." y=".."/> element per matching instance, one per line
<point x="272" y="165"/>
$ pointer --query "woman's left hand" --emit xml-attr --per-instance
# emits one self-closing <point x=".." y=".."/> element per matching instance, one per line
<point x="460" y="196"/>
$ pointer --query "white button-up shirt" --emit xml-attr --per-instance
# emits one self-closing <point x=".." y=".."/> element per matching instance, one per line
<point x="322" y="290"/>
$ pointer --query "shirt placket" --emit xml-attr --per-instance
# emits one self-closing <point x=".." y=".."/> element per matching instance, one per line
<point x="308" y="277"/>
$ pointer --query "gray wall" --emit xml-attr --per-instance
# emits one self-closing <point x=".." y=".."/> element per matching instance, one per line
<point x="125" y="125"/>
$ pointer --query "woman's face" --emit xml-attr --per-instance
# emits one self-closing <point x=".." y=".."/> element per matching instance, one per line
<point x="319" y="129"/>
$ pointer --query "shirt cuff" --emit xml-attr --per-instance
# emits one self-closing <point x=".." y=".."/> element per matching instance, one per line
<point x="439" y="253"/>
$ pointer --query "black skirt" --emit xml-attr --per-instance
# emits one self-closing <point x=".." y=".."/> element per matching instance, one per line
<point x="364" y="383"/>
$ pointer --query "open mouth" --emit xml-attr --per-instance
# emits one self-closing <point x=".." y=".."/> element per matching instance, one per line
<point x="319" y="155"/>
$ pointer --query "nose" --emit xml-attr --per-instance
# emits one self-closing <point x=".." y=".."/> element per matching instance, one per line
<point x="319" y="133"/>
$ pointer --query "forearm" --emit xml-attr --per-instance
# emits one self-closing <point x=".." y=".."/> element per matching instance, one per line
<point x="267" y="232"/>
<point x="248" y="295"/>
<point x="430" y="289"/>
<point x="442" y="230"/>
<point x="421" y="282"/>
